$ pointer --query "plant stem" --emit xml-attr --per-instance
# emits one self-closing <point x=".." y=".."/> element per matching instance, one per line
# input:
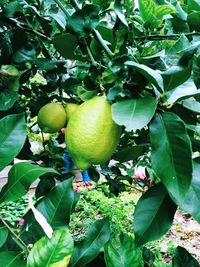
<point x="164" y="37"/>
<point x="91" y="56"/>
<point x="103" y="44"/>
<point x="15" y="235"/>
<point x="62" y="8"/>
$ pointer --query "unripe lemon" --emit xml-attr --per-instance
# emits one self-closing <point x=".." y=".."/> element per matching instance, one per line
<point x="69" y="109"/>
<point x="51" y="118"/>
<point x="92" y="135"/>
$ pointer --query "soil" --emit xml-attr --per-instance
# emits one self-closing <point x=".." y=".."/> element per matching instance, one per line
<point x="185" y="232"/>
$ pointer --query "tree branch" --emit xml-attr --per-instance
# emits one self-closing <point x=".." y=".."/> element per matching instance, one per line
<point x="165" y="37"/>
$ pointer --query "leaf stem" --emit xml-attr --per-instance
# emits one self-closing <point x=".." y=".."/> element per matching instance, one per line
<point x="15" y="235"/>
<point x="103" y="44"/>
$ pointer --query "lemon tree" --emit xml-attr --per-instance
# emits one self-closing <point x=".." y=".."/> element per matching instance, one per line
<point x="123" y="76"/>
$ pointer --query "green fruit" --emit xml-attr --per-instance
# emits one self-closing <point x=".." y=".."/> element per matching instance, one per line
<point x="51" y="118"/>
<point x="92" y="135"/>
<point x="69" y="109"/>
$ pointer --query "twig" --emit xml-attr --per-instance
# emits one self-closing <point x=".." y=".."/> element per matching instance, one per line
<point x="164" y="37"/>
<point x="16" y="236"/>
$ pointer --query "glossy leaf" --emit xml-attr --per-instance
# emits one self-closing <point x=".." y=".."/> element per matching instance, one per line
<point x="66" y="45"/>
<point x="123" y="253"/>
<point x="57" y="205"/>
<point x="12" y="138"/>
<point x="132" y="114"/>
<point x="182" y="258"/>
<point x="191" y="202"/>
<point x="175" y="76"/>
<point x="188" y="53"/>
<point x="147" y="8"/>
<point x="56" y="251"/>
<point x="120" y="12"/>
<point x="163" y="10"/>
<point x="151" y="75"/>
<point x="171" y="153"/>
<point x="153" y="214"/>
<point x="3" y="234"/>
<point x="89" y="248"/>
<point x="183" y="91"/>
<point x="12" y="259"/>
<point x="20" y="177"/>
<point x="7" y="99"/>
<point x="192" y="105"/>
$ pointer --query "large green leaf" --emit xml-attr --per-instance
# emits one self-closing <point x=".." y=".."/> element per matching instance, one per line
<point x="89" y="248"/>
<point x="182" y="258"/>
<point x="134" y="113"/>
<point x="12" y="138"/>
<point x="11" y="259"/>
<point x="66" y="45"/>
<point x="122" y="253"/>
<point x="153" y="214"/>
<point x="192" y="105"/>
<point x="191" y="202"/>
<point x="171" y="153"/>
<point x="175" y="76"/>
<point x="183" y="91"/>
<point x="57" y="205"/>
<point x="55" y="251"/>
<point x="188" y="53"/>
<point x="152" y="76"/>
<point x="20" y="177"/>
<point x="3" y="234"/>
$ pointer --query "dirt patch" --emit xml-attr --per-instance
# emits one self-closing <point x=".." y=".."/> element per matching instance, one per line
<point x="185" y="232"/>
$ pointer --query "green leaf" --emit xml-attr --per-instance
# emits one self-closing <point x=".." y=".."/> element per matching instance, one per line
<point x="89" y="248"/>
<point x="55" y="251"/>
<point x="193" y="20"/>
<point x="123" y="252"/>
<point x="12" y="259"/>
<point x="153" y="215"/>
<point x="129" y="153"/>
<point x="85" y="94"/>
<point x="83" y="21"/>
<point x="66" y="45"/>
<point x="20" y="177"/>
<point x="152" y="76"/>
<point x="171" y="154"/>
<point x="188" y="54"/>
<point x="163" y="10"/>
<point x="58" y="204"/>
<point x="12" y="138"/>
<point x="120" y="12"/>
<point x="193" y="5"/>
<point x="132" y="114"/>
<point x="3" y="234"/>
<point x="192" y="105"/>
<point x="7" y="99"/>
<point x="183" y="91"/>
<point x="191" y="202"/>
<point x="175" y="76"/>
<point x="147" y="9"/>
<point x="182" y="258"/>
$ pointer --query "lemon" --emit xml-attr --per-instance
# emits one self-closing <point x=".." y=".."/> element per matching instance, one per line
<point x="92" y="135"/>
<point x="69" y="109"/>
<point x="52" y="117"/>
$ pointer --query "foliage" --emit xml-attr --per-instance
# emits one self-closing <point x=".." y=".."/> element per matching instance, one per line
<point x="146" y="60"/>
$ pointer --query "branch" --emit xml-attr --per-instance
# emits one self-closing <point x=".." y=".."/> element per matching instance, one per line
<point x="15" y="235"/>
<point x="164" y="37"/>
